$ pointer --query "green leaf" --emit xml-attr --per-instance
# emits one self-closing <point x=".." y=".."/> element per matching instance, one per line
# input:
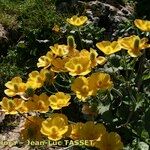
<point x="138" y="105"/>
<point x="146" y="76"/>
<point x="147" y="120"/>
<point x="143" y="146"/>
<point x="21" y="44"/>
<point x="107" y="116"/>
<point x="118" y="92"/>
<point x="102" y="108"/>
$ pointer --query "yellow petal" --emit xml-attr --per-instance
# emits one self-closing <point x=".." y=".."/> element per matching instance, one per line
<point x="143" y="25"/>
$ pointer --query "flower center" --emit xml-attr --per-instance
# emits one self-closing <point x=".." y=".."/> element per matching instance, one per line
<point x="136" y="45"/>
<point x="16" y="88"/>
<point x="10" y="105"/>
<point x="99" y="84"/>
<point x="41" y="105"/>
<point x="79" y="68"/>
<point x="85" y="89"/>
<point x="92" y="56"/>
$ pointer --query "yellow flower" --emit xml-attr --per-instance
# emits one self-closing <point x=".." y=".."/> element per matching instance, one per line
<point x="100" y="81"/>
<point x="77" y="21"/>
<point x="82" y="88"/>
<point x="91" y="131"/>
<point x="55" y="127"/>
<point x="109" y="141"/>
<point x="15" y="87"/>
<point x="13" y="106"/>
<point x="108" y="47"/>
<point x="134" y="45"/>
<point x="93" y="57"/>
<point x="45" y="61"/>
<point x="60" y="50"/>
<point x="56" y="28"/>
<point x="59" y="100"/>
<point x="76" y="131"/>
<point x="38" y="103"/>
<point x="36" y="79"/>
<point x="78" y="66"/>
<point x="143" y="25"/>
<point x="87" y="131"/>
<point x="31" y="129"/>
<point x="58" y="64"/>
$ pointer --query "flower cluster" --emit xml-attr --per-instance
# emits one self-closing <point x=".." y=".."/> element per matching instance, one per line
<point x="85" y="87"/>
<point x="133" y="44"/>
<point x="86" y="81"/>
<point x="98" y="134"/>
<point x="37" y="103"/>
<point x="66" y="58"/>
<point x="57" y="127"/>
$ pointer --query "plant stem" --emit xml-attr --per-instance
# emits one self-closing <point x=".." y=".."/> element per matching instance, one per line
<point x="24" y="116"/>
<point x="78" y="30"/>
<point x="48" y="90"/>
<point x="140" y="72"/>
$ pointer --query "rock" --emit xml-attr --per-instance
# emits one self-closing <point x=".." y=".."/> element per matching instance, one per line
<point x="2" y="116"/>
<point x="3" y="33"/>
<point x="115" y="13"/>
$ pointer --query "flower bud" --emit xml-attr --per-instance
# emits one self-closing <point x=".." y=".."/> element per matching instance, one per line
<point x="29" y="92"/>
<point x="71" y="42"/>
